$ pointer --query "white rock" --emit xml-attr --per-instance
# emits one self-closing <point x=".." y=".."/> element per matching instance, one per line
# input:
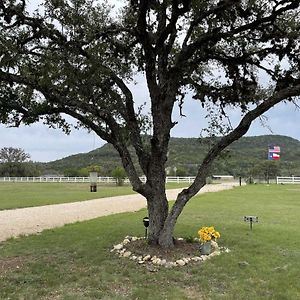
<point x="196" y="258"/>
<point x="118" y="247"/>
<point x="180" y="262"/>
<point x="153" y="258"/>
<point x="141" y="262"/>
<point x="227" y="250"/>
<point x="180" y="239"/>
<point x="214" y="244"/>
<point x="127" y="254"/>
<point x="134" y="238"/>
<point x="122" y="251"/>
<point x="147" y="257"/>
<point x="163" y="262"/>
<point x="126" y="241"/>
<point x="133" y="257"/>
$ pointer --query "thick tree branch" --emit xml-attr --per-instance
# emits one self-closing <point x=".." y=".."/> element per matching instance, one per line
<point x="184" y="196"/>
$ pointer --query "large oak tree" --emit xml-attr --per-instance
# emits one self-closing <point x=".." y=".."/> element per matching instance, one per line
<point x="77" y="57"/>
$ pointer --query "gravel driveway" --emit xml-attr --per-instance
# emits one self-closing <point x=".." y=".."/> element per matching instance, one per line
<point x="36" y="219"/>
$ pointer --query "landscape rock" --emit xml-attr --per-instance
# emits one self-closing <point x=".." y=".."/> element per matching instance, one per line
<point x="243" y="263"/>
<point x="196" y="258"/>
<point x="118" y="247"/>
<point x="147" y="257"/>
<point x="148" y="260"/>
<point x="180" y="262"/>
<point x="163" y="262"/>
<point x="157" y="261"/>
<point x="127" y="254"/>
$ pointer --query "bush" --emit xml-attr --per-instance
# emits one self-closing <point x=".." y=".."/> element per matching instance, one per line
<point x="119" y="174"/>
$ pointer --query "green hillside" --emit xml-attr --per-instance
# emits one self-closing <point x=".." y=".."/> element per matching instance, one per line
<point x="186" y="153"/>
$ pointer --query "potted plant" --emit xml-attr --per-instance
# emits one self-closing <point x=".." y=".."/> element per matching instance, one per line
<point x="207" y="234"/>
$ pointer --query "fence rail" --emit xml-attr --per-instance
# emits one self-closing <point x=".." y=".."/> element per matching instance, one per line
<point x="291" y="180"/>
<point x="86" y="179"/>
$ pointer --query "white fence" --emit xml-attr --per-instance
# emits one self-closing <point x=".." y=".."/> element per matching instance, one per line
<point x="86" y="179"/>
<point x="288" y="180"/>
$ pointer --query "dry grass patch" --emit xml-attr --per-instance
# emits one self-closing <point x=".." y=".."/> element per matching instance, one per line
<point x="10" y="264"/>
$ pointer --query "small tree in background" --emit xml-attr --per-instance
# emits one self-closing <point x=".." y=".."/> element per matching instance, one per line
<point x="266" y="169"/>
<point x="15" y="162"/>
<point x="119" y="174"/>
<point x="181" y="172"/>
<point x="13" y="155"/>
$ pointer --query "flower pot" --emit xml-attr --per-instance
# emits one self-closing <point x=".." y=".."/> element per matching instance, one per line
<point x="205" y="248"/>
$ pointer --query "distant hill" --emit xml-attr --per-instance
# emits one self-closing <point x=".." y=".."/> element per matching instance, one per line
<point x="186" y="153"/>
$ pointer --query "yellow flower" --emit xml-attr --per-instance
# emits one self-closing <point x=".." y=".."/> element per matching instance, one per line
<point x="208" y="234"/>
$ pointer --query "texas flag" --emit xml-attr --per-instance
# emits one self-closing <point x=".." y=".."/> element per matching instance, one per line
<point x="275" y="156"/>
<point x="274" y="153"/>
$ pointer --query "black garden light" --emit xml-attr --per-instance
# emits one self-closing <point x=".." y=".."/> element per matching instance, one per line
<point x="146" y="224"/>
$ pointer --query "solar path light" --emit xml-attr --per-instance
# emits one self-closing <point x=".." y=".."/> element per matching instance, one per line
<point x="251" y="220"/>
<point x="146" y="224"/>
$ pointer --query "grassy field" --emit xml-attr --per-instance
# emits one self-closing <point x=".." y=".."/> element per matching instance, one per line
<point x="16" y="195"/>
<point x="74" y="262"/>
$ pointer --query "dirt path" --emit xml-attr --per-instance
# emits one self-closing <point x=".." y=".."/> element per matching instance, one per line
<point x="36" y="219"/>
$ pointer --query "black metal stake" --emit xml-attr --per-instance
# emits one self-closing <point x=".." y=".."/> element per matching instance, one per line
<point x="251" y="223"/>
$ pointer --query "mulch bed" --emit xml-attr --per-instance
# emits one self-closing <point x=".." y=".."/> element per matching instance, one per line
<point x="181" y="249"/>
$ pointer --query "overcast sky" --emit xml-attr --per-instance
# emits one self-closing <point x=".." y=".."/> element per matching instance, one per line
<point x="44" y="144"/>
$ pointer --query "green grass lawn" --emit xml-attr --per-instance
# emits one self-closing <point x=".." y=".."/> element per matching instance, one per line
<point x="74" y="262"/>
<point x="16" y="195"/>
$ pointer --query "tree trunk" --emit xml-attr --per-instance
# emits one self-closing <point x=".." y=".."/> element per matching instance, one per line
<point x="166" y="239"/>
<point x="158" y="211"/>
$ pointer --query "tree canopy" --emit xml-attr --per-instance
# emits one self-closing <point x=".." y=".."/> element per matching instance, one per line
<point x="15" y="162"/>
<point x="77" y="57"/>
<point x="15" y="155"/>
